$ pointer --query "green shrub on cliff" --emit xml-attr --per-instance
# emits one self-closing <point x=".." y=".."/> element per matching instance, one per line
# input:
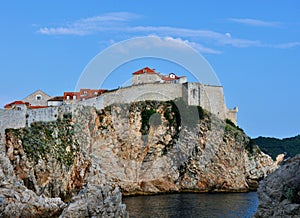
<point x="291" y="194"/>
<point x="230" y="123"/>
<point x="146" y="114"/>
<point x="176" y="112"/>
<point x="44" y="139"/>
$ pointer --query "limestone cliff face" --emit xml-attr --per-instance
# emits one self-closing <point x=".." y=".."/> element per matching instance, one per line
<point x="152" y="147"/>
<point x="142" y="148"/>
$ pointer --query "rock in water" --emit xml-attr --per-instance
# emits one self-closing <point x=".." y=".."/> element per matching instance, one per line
<point x="279" y="192"/>
<point x="95" y="202"/>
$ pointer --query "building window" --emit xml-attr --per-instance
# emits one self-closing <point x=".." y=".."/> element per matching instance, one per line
<point x="194" y="93"/>
<point x="138" y="78"/>
<point x="19" y="108"/>
<point x="149" y="78"/>
<point x="68" y="97"/>
<point x="38" y="97"/>
<point x="85" y="92"/>
<point x="96" y="93"/>
<point x="172" y="75"/>
<point x="74" y="97"/>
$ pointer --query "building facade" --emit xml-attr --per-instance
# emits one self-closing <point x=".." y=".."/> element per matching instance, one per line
<point x="56" y="101"/>
<point x="147" y="75"/>
<point x="37" y="98"/>
<point x="82" y="95"/>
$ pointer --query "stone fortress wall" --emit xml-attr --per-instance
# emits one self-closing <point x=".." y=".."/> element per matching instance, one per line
<point x="209" y="97"/>
<point x="24" y="118"/>
<point x="142" y="92"/>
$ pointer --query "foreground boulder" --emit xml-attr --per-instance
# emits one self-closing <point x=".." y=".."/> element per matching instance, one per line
<point x="94" y="201"/>
<point x="279" y="192"/>
<point x="17" y="201"/>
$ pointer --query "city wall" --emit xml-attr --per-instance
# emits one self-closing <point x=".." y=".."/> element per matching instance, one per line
<point x="210" y="98"/>
<point x="156" y="92"/>
<point x="23" y="118"/>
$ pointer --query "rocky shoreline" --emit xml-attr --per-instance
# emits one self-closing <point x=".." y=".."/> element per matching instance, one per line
<point x="279" y="192"/>
<point x="81" y="164"/>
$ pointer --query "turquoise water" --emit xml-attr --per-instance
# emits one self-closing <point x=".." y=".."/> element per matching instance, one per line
<point x="193" y="205"/>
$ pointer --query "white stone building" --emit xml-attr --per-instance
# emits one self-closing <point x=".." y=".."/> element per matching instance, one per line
<point x="147" y="75"/>
<point x="37" y="98"/>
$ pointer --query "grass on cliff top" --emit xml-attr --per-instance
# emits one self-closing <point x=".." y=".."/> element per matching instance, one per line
<point x="231" y="128"/>
<point x="44" y="139"/>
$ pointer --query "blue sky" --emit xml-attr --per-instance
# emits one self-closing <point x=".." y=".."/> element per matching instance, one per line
<point x="253" y="46"/>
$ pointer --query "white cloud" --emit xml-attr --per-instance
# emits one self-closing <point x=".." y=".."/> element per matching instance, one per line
<point x="61" y="31"/>
<point x="228" y="35"/>
<point x="118" y="23"/>
<point x="201" y="48"/>
<point x="115" y="22"/>
<point x="255" y="22"/>
<point x="285" y="45"/>
<point x="90" y="25"/>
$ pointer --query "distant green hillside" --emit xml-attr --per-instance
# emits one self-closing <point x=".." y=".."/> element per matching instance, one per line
<point x="274" y="146"/>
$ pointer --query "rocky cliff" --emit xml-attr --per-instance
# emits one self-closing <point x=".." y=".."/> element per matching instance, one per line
<point x="153" y="147"/>
<point x="47" y="171"/>
<point x="77" y="165"/>
<point x="279" y="192"/>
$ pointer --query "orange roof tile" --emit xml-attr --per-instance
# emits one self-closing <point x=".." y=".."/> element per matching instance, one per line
<point x="145" y="70"/>
<point x="170" y="78"/>
<point x="57" y="98"/>
<point x="16" y="103"/>
<point x="37" y="107"/>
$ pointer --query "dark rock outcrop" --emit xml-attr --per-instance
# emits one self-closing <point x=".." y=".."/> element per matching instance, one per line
<point x="279" y="192"/>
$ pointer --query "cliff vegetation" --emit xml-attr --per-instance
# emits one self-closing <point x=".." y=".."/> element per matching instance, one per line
<point x="274" y="146"/>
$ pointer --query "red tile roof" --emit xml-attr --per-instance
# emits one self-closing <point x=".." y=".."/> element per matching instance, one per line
<point x="57" y="98"/>
<point x="16" y="103"/>
<point x="84" y="94"/>
<point x="166" y="78"/>
<point x="170" y="77"/>
<point x="145" y="70"/>
<point x="37" y="107"/>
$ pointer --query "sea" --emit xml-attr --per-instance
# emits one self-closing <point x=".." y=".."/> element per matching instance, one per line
<point x="183" y="205"/>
